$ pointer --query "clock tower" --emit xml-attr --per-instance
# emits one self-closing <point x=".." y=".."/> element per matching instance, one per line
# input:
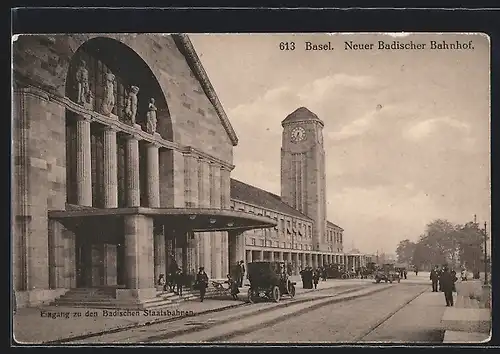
<point x="303" y="183"/>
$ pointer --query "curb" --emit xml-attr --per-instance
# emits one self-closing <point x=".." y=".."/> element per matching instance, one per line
<point x="287" y="316"/>
<point x="165" y="320"/>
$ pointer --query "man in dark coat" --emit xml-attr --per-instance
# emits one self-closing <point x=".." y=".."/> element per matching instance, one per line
<point x="447" y="283"/>
<point x="202" y="282"/>
<point x="434" y="277"/>
<point x="242" y="273"/>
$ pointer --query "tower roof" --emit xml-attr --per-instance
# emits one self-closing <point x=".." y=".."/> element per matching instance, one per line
<point x="301" y="114"/>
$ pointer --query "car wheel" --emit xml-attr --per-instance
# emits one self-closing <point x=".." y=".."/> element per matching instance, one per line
<point x="276" y="294"/>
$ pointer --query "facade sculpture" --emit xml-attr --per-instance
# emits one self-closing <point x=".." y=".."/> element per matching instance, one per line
<point x="84" y="95"/>
<point x="151" y="117"/>
<point x="108" y="101"/>
<point x="131" y="107"/>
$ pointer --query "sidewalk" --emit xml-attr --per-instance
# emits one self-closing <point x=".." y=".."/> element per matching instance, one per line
<point x="35" y="325"/>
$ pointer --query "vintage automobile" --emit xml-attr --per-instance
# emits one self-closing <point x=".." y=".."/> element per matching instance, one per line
<point x="269" y="280"/>
<point x="336" y="271"/>
<point x="387" y="273"/>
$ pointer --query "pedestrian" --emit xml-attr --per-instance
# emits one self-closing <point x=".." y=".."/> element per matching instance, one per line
<point x="179" y="281"/>
<point x="162" y="282"/>
<point x="242" y="273"/>
<point x="315" y="276"/>
<point x="303" y="277"/>
<point x="439" y="272"/>
<point x="233" y="287"/>
<point x="323" y="273"/>
<point x="434" y="277"/>
<point x="447" y="282"/>
<point x="202" y="282"/>
<point x="405" y="274"/>
<point x="454" y="277"/>
<point x="416" y="271"/>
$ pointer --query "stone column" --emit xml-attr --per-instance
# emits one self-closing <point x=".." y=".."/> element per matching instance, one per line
<point x="261" y="255"/>
<point x="271" y="255"/>
<point x="153" y="175"/>
<point x="139" y="264"/>
<point x="110" y="168"/>
<point x="215" y="202"/>
<point x="132" y="159"/>
<point x="204" y="238"/>
<point x="249" y="258"/>
<point x="83" y="162"/>
<point x="280" y="257"/>
<point x="160" y="253"/>
<point x="225" y="191"/>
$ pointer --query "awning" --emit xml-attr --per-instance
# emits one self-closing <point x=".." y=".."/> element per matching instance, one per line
<point x="186" y="219"/>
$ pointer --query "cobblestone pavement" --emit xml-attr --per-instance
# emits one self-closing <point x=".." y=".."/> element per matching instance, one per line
<point x="160" y="332"/>
<point x="348" y="321"/>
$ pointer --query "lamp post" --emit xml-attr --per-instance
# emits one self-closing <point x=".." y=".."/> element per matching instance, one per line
<point x="485" y="256"/>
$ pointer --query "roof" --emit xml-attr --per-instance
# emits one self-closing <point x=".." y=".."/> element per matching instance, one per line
<point x="256" y="196"/>
<point x="299" y="115"/>
<point x="186" y="48"/>
<point x="331" y="224"/>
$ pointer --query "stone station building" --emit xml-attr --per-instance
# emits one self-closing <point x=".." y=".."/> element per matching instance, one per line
<point x="109" y="186"/>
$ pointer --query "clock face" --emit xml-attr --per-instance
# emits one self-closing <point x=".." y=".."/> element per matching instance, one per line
<point x="298" y="134"/>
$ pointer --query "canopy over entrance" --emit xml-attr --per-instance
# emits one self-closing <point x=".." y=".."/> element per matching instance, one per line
<point x="189" y="219"/>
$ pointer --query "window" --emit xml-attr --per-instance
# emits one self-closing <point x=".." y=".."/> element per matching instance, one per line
<point x="262" y="243"/>
<point x="282" y="222"/>
<point x="253" y="242"/>
<point x="309" y="229"/>
<point x="283" y="245"/>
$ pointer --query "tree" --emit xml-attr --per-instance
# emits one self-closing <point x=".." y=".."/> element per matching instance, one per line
<point x="405" y="251"/>
<point x="470" y="241"/>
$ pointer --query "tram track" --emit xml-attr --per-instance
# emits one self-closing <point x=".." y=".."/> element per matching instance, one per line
<point x="251" y="313"/>
<point x="238" y="325"/>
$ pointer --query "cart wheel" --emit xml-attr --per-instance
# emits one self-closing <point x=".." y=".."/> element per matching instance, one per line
<point x="276" y="294"/>
<point x="291" y="290"/>
<point x="377" y="280"/>
<point x="250" y="296"/>
<point x="399" y="280"/>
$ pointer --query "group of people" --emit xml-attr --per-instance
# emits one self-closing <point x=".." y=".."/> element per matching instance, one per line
<point x="311" y="276"/>
<point x="443" y="279"/>
<point x="176" y="279"/>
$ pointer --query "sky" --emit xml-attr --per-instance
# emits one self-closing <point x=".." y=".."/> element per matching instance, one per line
<point x="406" y="131"/>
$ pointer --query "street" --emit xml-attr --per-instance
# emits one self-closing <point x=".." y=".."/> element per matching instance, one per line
<point x="350" y="313"/>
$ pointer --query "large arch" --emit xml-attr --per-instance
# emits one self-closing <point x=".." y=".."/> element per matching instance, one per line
<point x="105" y="54"/>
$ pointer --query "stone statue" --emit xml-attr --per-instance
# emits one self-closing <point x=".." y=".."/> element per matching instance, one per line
<point x="84" y="96"/>
<point x="108" y="101"/>
<point x="151" y="117"/>
<point x="131" y="107"/>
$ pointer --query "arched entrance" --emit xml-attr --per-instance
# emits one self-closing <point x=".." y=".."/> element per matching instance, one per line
<point x="98" y="155"/>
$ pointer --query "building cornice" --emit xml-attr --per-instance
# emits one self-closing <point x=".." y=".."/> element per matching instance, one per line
<point x="202" y="76"/>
